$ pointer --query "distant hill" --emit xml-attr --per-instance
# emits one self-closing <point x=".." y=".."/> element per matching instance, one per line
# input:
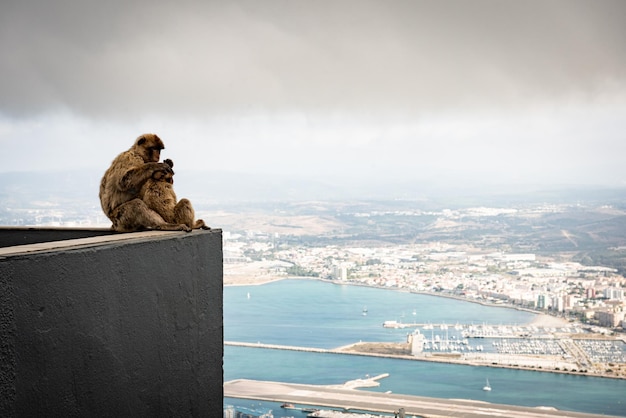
<point x="23" y="187"/>
<point x="591" y="226"/>
<point x="221" y="187"/>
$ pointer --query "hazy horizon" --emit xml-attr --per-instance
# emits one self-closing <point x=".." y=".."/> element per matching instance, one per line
<point x="22" y="189"/>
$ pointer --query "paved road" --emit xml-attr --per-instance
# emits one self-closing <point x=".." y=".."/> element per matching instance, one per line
<point x="381" y="402"/>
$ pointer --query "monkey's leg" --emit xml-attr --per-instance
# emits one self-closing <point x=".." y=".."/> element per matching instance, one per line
<point x="135" y="215"/>
<point x="184" y="213"/>
<point x="200" y="224"/>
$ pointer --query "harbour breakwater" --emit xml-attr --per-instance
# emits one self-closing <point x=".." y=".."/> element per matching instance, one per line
<point x="382" y="350"/>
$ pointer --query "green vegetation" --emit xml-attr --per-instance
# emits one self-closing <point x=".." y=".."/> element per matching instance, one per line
<point x="606" y="257"/>
<point x="299" y="271"/>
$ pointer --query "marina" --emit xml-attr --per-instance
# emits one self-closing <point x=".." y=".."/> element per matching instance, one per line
<point x="268" y="319"/>
<point x="493" y="331"/>
<point x="574" y="346"/>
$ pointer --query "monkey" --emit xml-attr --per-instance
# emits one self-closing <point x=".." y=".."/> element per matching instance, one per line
<point x="122" y="182"/>
<point x="158" y="194"/>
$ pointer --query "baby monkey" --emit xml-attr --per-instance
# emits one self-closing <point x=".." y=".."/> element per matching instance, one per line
<point x="158" y="194"/>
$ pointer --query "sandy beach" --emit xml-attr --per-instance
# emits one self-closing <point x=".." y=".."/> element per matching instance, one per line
<point x="543" y="320"/>
<point x="248" y="274"/>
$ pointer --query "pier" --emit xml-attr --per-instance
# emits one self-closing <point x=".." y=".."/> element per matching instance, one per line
<point x="278" y="347"/>
<point x="352" y="400"/>
<point x="491" y="330"/>
<point x="339" y="350"/>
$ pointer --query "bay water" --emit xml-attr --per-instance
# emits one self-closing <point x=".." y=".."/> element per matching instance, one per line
<point x="319" y="314"/>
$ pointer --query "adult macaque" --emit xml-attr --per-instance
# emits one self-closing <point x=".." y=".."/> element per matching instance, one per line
<point x="122" y="182"/>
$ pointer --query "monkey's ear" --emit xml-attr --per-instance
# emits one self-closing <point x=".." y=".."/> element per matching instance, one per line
<point x="141" y="140"/>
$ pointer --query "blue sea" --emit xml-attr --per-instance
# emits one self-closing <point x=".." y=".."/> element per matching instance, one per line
<point x="320" y="314"/>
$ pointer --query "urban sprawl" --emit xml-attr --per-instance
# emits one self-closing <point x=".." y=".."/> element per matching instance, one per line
<point x="586" y="301"/>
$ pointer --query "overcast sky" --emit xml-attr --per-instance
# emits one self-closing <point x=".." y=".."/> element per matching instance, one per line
<point x="477" y="91"/>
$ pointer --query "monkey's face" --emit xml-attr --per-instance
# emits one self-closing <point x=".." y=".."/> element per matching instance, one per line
<point x="149" y="146"/>
<point x="163" y="176"/>
<point x="168" y="178"/>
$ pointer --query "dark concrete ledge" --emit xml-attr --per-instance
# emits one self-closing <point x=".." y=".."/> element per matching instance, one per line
<point x="94" y="322"/>
<point x="11" y="236"/>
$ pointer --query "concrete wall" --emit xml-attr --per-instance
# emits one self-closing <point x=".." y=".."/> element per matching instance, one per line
<point x="10" y="237"/>
<point x="114" y="325"/>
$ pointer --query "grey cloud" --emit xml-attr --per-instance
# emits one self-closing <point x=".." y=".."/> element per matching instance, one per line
<point x="128" y="59"/>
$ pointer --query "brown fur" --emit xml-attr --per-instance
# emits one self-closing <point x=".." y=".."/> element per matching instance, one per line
<point x="158" y="194"/>
<point x="121" y="183"/>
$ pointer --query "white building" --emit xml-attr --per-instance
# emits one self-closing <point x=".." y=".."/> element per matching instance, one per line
<point x="340" y="272"/>
<point x="417" y="342"/>
<point x="614" y="293"/>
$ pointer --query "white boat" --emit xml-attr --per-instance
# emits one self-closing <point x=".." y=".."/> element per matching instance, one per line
<point x="487" y="386"/>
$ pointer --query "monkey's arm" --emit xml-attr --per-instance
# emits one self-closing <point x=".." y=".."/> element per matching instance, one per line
<point x="134" y="178"/>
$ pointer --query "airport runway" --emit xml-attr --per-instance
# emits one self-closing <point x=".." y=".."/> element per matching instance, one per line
<point x="325" y="396"/>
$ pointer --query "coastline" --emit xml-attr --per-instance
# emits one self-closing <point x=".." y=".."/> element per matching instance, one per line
<point x="353" y="401"/>
<point x="540" y="320"/>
